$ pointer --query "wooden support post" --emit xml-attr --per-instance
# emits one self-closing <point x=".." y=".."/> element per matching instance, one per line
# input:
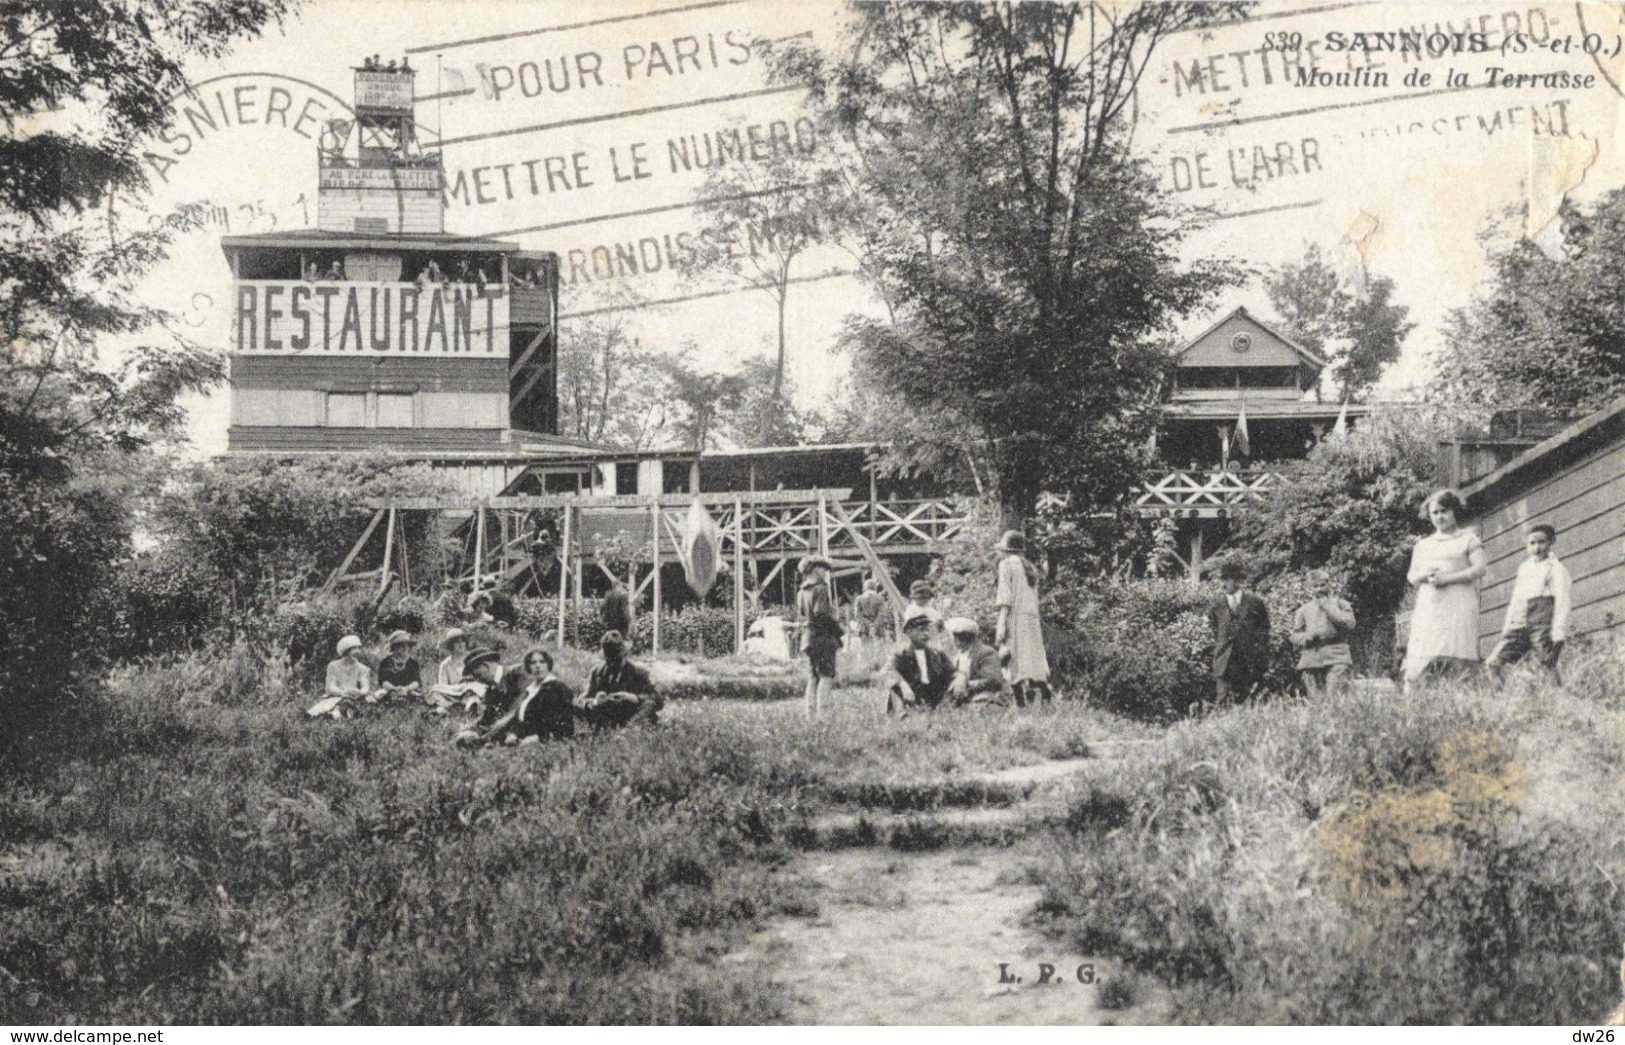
<point x="502" y="535"/>
<point x="479" y="550"/>
<point x="881" y="573"/>
<point x="823" y="526"/>
<point x="654" y="530"/>
<point x="564" y="572"/>
<point x="739" y="577"/>
<point x="1196" y="555"/>
<point x="389" y="555"/>
<point x="344" y="567"/>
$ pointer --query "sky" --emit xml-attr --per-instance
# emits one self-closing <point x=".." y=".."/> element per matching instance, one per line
<point x="578" y="128"/>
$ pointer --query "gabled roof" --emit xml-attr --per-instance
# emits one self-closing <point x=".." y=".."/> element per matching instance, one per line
<point x="1241" y="314"/>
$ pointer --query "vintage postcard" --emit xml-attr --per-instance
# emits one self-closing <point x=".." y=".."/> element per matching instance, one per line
<point x="753" y="512"/>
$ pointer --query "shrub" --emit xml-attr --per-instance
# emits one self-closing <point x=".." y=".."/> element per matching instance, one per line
<point x="1144" y="648"/>
<point x="1360" y="860"/>
<point x="308" y="632"/>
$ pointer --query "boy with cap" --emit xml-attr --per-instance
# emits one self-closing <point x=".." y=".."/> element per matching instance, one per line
<point x="920" y="594"/>
<point x="399" y="675"/>
<point x="1537" y="619"/>
<point x="1320" y="628"/>
<point x="919" y="674"/>
<point x="978" y="675"/>
<point x="619" y="692"/>
<point x="815" y="608"/>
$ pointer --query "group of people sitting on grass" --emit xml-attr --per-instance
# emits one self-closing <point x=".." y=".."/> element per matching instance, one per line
<point x="522" y="703"/>
<point x="939" y="663"/>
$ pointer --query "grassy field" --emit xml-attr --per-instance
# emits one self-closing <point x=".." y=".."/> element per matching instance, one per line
<point x="179" y="851"/>
<point x="170" y="858"/>
<point x="1451" y="857"/>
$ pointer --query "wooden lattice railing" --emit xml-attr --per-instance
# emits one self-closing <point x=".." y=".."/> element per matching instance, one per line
<point x="1203" y="493"/>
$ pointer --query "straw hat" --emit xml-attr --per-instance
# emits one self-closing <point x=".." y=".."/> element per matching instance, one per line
<point x="1012" y="541"/>
<point x="454" y="635"/>
<point x="348" y="643"/>
<point x="400" y="638"/>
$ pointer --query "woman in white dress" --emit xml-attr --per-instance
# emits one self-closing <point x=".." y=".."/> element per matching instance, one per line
<point x="1445" y="569"/>
<point x="1018" y="634"/>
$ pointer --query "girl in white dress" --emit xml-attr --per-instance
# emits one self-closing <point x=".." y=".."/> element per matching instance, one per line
<point x="1018" y="633"/>
<point x="1445" y="569"/>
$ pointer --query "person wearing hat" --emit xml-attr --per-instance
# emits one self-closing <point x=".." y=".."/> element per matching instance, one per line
<point x="452" y="686"/>
<point x="619" y="692"/>
<point x="1241" y="635"/>
<point x="920" y="594"/>
<point x="1019" y="635"/>
<point x="817" y="611"/>
<point x="399" y="675"/>
<point x="348" y="680"/>
<point x="479" y="608"/>
<point x="484" y="668"/>
<point x="450" y="671"/>
<point x="978" y="675"/>
<point x="527" y="705"/>
<point x="919" y="674"/>
<point x="348" y="677"/>
<point x="869" y="616"/>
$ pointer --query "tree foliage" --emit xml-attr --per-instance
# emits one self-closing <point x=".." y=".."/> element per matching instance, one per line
<point x="1353" y="506"/>
<point x="609" y="388"/>
<point x="89" y="377"/>
<point x="1545" y="332"/>
<point x="1026" y="256"/>
<point x="1360" y="333"/>
<point x="256" y="529"/>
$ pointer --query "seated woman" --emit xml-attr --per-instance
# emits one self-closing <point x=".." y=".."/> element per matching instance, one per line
<point x="537" y="706"/>
<point x="619" y="692"/>
<point x="349" y="681"/>
<point x="399" y="675"/>
<point x="450" y="687"/>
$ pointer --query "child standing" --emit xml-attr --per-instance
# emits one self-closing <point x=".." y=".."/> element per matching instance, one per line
<point x="1538" y="616"/>
<point x="1320" y="628"/>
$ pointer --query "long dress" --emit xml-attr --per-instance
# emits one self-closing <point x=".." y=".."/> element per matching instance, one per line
<point x="1444" y="623"/>
<point x="1025" y="636"/>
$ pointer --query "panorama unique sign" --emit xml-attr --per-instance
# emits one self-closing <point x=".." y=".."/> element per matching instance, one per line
<point x="293" y="317"/>
<point x="380" y="178"/>
<point x="383" y="90"/>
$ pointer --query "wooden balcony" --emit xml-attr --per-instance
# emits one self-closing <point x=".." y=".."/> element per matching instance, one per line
<point x="1203" y="494"/>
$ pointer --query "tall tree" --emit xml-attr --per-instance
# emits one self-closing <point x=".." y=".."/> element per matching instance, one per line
<point x="1359" y="334"/>
<point x="1027" y="256"/>
<point x="763" y="218"/>
<point x="87" y="372"/>
<point x="610" y="390"/>
<point x="1546" y="331"/>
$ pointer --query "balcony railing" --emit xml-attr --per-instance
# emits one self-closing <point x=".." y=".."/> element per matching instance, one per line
<point x="1203" y="494"/>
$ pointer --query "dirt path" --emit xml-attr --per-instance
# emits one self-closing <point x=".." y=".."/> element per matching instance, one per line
<point x="919" y="939"/>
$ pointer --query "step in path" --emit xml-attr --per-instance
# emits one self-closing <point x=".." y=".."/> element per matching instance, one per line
<point x="939" y="937"/>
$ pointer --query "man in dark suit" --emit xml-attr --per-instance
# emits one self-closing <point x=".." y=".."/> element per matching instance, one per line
<point x="1241" y="635"/>
<point x="919" y="674"/>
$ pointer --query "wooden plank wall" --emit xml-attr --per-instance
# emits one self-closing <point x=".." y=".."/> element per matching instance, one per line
<point x="1585" y="501"/>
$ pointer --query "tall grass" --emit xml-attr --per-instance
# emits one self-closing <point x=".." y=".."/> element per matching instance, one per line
<point x="1451" y="857"/>
<point x="188" y="848"/>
